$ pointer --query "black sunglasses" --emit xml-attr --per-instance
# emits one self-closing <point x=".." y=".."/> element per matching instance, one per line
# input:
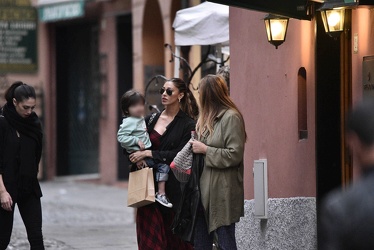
<point x="169" y="92"/>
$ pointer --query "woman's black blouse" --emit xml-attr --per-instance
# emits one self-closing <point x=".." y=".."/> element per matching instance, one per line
<point x="176" y="136"/>
<point x="10" y="161"/>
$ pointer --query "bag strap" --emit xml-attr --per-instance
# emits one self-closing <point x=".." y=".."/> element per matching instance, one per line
<point x="151" y="119"/>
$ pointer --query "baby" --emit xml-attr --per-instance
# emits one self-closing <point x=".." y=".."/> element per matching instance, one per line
<point x="133" y="136"/>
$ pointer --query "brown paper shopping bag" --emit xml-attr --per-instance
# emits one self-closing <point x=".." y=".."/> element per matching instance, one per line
<point x="141" y="189"/>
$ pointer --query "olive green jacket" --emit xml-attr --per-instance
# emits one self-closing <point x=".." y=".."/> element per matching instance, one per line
<point x="221" y="183"/>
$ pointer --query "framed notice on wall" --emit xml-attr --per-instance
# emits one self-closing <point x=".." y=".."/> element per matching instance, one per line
<point x="368" y="77"/>
<point x="18" y="37"/>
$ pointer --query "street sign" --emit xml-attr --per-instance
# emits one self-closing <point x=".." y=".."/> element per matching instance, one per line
<point x="18" y="37"/>
<point x="61" y="11"/>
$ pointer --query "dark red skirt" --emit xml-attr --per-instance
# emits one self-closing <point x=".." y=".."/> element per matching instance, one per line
<point x="153" y="229"/>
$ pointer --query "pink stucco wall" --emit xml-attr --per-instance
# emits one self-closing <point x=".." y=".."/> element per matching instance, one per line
<point x="264" y="85"/>
<point x="362" y="25"/>
<point x="108" y="124"/>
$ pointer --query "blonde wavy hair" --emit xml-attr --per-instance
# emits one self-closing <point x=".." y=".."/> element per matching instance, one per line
<point x="214" y="97"/>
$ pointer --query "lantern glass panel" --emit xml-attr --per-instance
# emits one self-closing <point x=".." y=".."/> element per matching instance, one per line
<point x="324" y="20"/>
<point x="267" y="26"/>
<point x="278" y="29"/>
<point x="333" y="20"/>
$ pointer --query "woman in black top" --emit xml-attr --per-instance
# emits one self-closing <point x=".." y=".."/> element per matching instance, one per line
<point x="20" y="153"/>
<point x="169" y="130"/>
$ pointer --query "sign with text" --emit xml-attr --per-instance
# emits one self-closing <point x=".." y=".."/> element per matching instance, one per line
<point x="368" y="77"/>
<point x="61" y="11"/>
<point x="18" y="37"/>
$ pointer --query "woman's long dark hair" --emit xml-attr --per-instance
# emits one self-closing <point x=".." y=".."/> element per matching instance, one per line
<point x="188" y="103"/>
<point x="19" y="91"/>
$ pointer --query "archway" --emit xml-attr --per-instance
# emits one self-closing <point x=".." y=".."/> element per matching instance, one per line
<point x="153" y="47"/>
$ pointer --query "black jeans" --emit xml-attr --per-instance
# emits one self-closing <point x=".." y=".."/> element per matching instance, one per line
<point x="30" y="209"/>
<point x="223" y="237"/>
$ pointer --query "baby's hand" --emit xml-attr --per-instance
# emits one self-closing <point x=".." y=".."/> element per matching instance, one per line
<point x="140" y="164"/>
<point x="141" y="145"/>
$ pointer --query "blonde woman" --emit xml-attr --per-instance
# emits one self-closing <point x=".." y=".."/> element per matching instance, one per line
<point x="221" y="133"/>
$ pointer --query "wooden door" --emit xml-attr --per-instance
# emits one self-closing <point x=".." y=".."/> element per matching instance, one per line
<point x="346" y="95"/>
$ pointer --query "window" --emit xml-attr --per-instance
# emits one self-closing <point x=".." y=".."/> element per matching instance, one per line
<point x="302" y="104"/>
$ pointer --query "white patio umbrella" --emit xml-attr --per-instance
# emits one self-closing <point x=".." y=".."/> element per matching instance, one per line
<point x="204" y="24"/>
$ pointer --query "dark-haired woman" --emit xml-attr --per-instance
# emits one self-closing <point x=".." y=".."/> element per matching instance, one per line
<point x="20" y="153"/>
<point x="169" y="131"/>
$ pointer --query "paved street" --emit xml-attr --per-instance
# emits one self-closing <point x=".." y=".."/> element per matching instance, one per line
<point x="82" y="216"/>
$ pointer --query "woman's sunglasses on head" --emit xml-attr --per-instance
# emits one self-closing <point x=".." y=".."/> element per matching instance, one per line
<point x="169" y="92"/>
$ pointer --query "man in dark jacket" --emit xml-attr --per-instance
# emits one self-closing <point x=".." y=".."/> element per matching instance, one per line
<point x="347" y="217"/>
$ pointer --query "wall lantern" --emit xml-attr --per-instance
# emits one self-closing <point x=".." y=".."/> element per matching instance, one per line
<point x="333" y="16"/>
<point x="333" y="20"/>
<point x="276" y="29"/>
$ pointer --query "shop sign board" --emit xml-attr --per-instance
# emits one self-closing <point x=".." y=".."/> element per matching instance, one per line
<point x="61" y="11"/>
<point x="18" y="37"/>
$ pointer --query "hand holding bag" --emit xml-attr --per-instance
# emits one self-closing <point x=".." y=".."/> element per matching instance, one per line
<point x="141" y="190"/>
<point x="182" y="163"/>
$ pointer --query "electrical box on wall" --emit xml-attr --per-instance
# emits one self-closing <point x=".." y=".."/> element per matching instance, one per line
<point x="368" y="77"/>
<point x="355" y="43"/>
<point x="260" y="174"/>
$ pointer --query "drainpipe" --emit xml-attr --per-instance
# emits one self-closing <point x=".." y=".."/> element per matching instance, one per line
<point x="185" y="4"/>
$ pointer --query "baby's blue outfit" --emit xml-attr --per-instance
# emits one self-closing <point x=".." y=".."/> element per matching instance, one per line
<point x="131" y="131"/>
